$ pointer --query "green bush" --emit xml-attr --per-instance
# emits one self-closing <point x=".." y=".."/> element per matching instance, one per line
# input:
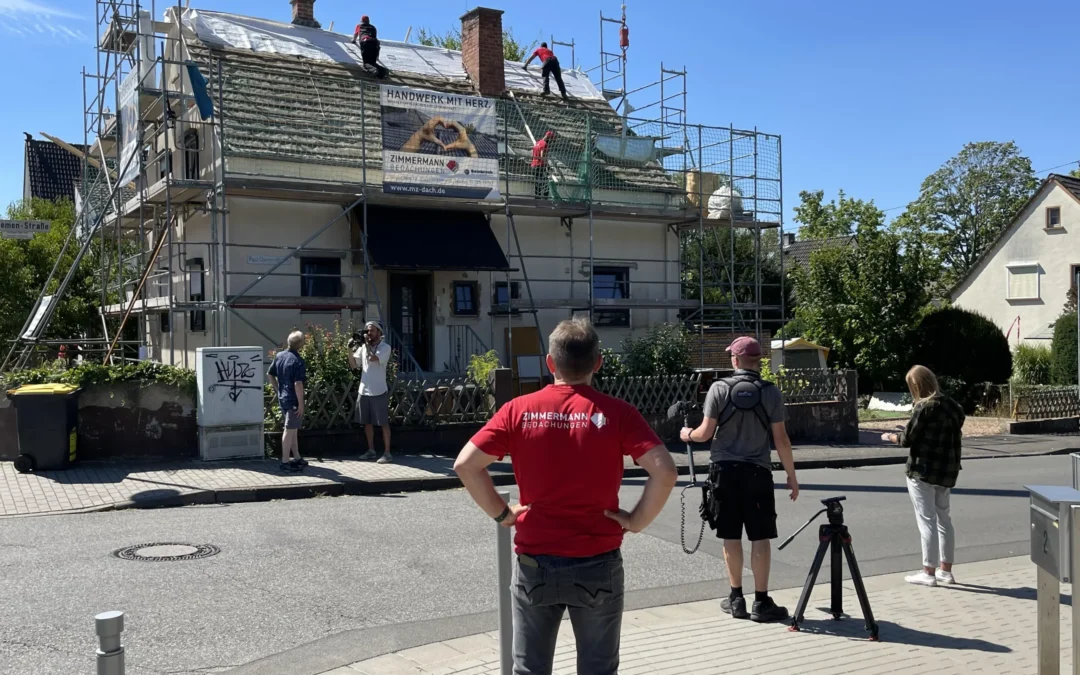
<point x="613" y="365"/>
<point x="1063" y="351"/>
<point x="664" y="350"/>
<point x="1031" y="364"/>
<point x="89" y="374"/>
<point x="956" y="343"/>
<point x="481" y="366"/>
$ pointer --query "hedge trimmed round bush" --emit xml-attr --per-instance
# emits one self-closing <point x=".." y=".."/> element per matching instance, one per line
<point x="1063" y="351"/>
<point x="965" y="345"/>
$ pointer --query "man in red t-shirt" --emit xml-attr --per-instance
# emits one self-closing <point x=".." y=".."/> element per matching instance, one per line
<point x="551" y="68"/>
<point x="539" y="164"/>
<point x="567" y="443"/>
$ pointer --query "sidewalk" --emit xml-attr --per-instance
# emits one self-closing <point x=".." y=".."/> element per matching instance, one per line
<point x="100" y="486"/>
<point x="984" y="624"/>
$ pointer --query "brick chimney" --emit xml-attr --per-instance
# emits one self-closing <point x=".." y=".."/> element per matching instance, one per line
<point x="303" y="13"/>
<point x="482" y="50"/>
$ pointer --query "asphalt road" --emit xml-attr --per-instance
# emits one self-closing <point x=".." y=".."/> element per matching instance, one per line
<point x="353" y="574"/>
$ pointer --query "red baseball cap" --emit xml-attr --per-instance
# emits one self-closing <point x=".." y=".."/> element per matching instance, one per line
<point x="745" y="346"/>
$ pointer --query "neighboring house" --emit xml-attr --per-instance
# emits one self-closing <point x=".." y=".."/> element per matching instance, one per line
<point x="50" y="171"/>
<point x="280" y="211"/>
<point x="798" y="252"/>
<point x="1022" y="281"/>
<point x="798" y="354"/>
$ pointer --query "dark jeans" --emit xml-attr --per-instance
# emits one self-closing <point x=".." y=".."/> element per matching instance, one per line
<point x="553" y="69"/>
<point x="591" y="589"/>
<point x="369" y="52"/>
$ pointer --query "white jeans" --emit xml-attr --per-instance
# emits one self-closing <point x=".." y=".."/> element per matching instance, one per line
<point x="935" y="524"/>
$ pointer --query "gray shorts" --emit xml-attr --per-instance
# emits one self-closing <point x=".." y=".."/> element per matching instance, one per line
<point x="373" y="410"/>
<point x="292" y="420"/>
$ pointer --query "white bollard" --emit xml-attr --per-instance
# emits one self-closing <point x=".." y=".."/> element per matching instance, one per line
<point x="110" y="653"/>
<point x="504" y="550"/>
<point x="1075" y="584"/>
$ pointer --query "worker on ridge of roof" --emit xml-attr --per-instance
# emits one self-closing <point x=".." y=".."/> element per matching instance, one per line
<point x="367" y="38"/>
<point x="550" y="69"/>
<point x="539" y="164"/>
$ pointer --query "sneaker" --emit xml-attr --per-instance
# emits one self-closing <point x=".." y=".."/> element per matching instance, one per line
<point x="370" y="454"/>
<point x="944" y="578"/>
<point x="300" y="462"/>
<point x="767" y="611"/>
<point x="736" y="607"/>
<point x="921" y="579"/>
<point x="385" y="459"/>
<point x="288" y="467"/>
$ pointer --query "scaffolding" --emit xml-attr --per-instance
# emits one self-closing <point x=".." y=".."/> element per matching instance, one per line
<point x="609" y="168"/>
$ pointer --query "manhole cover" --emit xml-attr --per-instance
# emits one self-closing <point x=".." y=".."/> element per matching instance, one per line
<point x="167" y="552"/>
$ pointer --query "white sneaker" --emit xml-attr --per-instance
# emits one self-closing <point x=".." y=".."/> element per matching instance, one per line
<point x="385" y="459"/>
<point x="921" y="579"/>
<point x="370" y="454"/>
<point x="945" y="578"/>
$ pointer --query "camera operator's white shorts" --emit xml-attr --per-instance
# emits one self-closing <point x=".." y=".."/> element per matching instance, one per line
<point x="373" y="410"/>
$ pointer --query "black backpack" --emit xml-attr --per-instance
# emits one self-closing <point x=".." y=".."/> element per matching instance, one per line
<point x="744" y="397"/>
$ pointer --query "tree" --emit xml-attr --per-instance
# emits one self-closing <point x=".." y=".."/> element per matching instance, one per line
<point x="863" y="301"/>
<point x="1063" y="350"/>
<point x="964" y="206"/>
<point x="959" y="343"/>
<point x="25" y="266"/>
<point x="840" y="217"/>
<point x="513" y="49"/>
<point x="1075" y="173"/>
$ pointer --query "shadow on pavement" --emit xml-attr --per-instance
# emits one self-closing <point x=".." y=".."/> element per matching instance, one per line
<point x="974" y="492"/>
<point x="1023" y="593"/>
<point x="854" y="629"/>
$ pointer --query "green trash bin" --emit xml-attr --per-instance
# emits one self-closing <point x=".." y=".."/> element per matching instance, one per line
<point x="47" y="419"/>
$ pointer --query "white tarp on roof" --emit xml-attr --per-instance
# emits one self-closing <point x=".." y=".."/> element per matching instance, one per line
<point x="285" y="39"/>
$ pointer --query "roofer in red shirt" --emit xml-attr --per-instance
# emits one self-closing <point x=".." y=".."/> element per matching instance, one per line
<point x="366" y="37"/>
<point x="567" y="443"/>
<point x="539" y="164"/>
<point x="550" y="69"/>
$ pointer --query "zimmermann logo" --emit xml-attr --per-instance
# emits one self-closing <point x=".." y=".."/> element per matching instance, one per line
<point x="599" y="420"/>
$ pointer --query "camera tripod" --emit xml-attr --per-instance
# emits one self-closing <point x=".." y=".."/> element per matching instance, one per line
<point x="834" y="538"/>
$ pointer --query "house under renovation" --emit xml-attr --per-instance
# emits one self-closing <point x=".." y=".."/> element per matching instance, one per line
<point x="264" y="181"/>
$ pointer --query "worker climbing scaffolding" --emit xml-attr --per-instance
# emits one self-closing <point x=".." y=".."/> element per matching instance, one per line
<point x="366" y="37"/>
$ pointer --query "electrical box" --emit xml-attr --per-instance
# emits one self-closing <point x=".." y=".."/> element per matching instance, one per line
<point x="231" y="381"/>
<point x="236" y="442"/>
<point x="1051" y="528"/>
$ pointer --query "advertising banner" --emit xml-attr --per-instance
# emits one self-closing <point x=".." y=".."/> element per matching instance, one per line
<point x="129" y="128"/>
<point x="439" y="145"/>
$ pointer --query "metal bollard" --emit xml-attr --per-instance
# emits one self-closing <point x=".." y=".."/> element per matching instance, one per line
<point x="1076" y="584"/>
<point x="506" y="618"/>
<point x="110" y="653"/>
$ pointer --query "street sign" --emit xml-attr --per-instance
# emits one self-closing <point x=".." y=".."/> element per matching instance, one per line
<point x="23" y="229"/>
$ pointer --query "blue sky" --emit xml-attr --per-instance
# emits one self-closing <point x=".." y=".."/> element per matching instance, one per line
<point x="869" y="96"/>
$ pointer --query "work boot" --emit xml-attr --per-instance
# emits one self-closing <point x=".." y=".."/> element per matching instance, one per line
<point x="736" y="607"/>
<point x="767" y="611"/>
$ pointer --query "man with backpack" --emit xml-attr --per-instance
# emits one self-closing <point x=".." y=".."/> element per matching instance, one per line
<point x="742" y="414"/>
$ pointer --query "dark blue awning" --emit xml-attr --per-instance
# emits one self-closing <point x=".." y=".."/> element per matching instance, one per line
<point x="427" y="239"/>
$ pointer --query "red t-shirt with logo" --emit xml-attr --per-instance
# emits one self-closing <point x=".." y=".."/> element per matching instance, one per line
<point x="567" y="445"/>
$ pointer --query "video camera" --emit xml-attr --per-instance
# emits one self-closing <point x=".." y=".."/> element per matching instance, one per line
<point x="356" y="340"/>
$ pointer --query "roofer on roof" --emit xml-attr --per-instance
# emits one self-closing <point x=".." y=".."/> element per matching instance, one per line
<point x="551" y="68"/>
<point x="367" y="38"/>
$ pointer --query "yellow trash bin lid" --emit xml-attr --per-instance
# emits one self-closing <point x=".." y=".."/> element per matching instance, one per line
<point x="43" y="389"/>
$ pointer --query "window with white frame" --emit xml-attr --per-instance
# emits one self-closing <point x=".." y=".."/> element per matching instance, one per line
<point x="1023" y="281"/>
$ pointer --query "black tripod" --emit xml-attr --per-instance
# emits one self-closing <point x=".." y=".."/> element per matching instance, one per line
<point x="834" y="537"/>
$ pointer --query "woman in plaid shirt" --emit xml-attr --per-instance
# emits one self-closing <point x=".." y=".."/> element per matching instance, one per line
<point x="933" y="434"/>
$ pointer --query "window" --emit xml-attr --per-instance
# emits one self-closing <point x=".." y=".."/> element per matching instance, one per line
<point x="196" y="293"/>
<point x="465" y="298"/>
<point x="1053" y="217"/>
<point x="164" y="322"/>
<point x="504" y="294"/>
<point x="1023" y="281"/>
<point x="1073" y="271"/>
<point x="320" y="277"/>
<point x="611" y="283"/>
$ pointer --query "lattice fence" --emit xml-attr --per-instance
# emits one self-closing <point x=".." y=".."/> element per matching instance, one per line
<point x="442" y="401"/>
<point x="1041" y="403"/>
<point x="652" y="394"/>
<point x="816" y="385"/>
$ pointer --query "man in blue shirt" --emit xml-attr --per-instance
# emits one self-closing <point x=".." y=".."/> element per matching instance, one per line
<point x="287" y="375"/>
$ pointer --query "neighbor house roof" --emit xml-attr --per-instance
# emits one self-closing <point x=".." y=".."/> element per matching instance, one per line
<point x="51" y="171"/>
<point x="299" y="94"/>
<point x="1067" y="183"/>
<point x="800" y="251"/>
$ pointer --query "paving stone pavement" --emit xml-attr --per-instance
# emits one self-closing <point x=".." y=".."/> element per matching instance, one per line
<point x="92" y="486"/>
<point x="984" y="624"/>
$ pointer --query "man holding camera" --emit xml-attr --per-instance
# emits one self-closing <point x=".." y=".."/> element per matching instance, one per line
<point x="370" y="354"/>
<point x="742" y="414"/>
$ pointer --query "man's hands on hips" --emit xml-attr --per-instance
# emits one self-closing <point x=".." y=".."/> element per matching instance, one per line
<point x="625" y="519"/>
<point x="793" y="485"/>
<point x="515" y="512"/>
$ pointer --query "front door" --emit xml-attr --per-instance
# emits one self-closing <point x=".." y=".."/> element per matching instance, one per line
<point x="410" y="314"/>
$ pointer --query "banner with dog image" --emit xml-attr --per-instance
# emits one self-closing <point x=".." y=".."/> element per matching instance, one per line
<point x="439" y="145"/>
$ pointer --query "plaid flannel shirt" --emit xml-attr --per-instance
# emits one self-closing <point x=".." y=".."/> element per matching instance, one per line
<point x="933" y="434"/>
